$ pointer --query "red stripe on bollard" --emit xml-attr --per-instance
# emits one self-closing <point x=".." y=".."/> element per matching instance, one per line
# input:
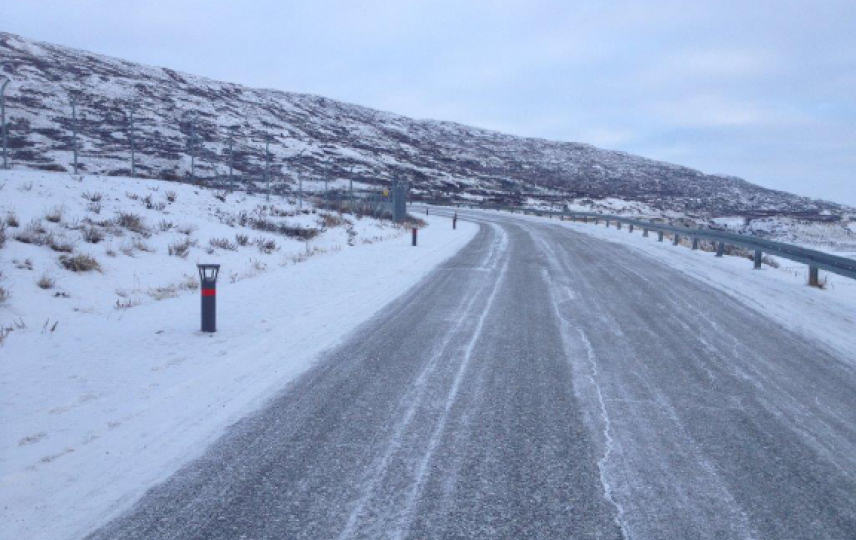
<point x="209" y="292"/>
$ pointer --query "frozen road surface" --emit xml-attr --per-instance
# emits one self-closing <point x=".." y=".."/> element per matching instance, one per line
<point x="540" y="384"/>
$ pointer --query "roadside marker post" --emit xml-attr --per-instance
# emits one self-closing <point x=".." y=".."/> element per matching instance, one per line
<point x="455" y="221"/>
<point x="208" y="277"/>
<point x="414" y="235"/>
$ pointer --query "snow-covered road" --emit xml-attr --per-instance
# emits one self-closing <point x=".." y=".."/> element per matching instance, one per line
<point x="540" y="384"/>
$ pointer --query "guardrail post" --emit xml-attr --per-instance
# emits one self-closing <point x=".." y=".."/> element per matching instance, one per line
<point x="455" y="221"/>
<point x="757" y="259"/>
<point x="695" y="244"/>
<point x="631" y="227"/>
<point x="618" y="225"/>
<point x="676" y="240"/>
<point x="813" y="276"/>
<point x="720" y="249"/>
<point x="597" y="221"/>
<point x="607" y="223"/>
<point x="585" y="219"/>
<point x="659" y="236"/>
<point x="645" y="232"/>
<point x="414" y="235"/>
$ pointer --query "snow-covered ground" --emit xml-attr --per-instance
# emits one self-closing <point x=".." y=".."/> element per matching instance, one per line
<point x="98" y="400"/>
<point x="828" y="315"/>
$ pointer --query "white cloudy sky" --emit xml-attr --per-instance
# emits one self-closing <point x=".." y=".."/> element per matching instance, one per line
<point x="761" y="89"/>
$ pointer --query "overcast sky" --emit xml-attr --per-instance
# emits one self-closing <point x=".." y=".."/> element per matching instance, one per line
<point x="761" y="89"/>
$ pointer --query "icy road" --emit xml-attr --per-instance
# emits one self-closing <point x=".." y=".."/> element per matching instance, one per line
<point x="540" y="384"/>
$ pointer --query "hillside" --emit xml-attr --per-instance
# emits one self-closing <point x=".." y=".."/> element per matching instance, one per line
<point x="316" y="138"/>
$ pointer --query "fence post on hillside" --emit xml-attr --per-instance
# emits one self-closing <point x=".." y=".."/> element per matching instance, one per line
<point x="676" y="240"/>
<point x="191" y="147"/>
<point x="233" y="130"/>
<point x="720" y="249"/>
<point x="4" y="129"/>
<point x="645" y="232"/>
<point x="131" y="112"/>
<point x="695" y="244"/>
<point x="659" y="236"/>
<point x="758" y="259"/>
<point x="267" y="166"/>
<point x="73" y="99"/>
<point x="630" y="228"/>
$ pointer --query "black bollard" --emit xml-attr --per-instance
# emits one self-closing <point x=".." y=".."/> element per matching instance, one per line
<point x="208" y="276"/>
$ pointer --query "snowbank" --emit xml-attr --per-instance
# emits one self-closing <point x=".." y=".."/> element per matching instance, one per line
<point x="111" y="401"/>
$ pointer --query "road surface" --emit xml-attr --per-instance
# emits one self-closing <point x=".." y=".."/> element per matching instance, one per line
<point x="540" y="384"/>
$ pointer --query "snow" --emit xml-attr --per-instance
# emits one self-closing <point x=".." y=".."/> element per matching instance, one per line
<point x="827" y="315"/>
<point x="112" y="401"/>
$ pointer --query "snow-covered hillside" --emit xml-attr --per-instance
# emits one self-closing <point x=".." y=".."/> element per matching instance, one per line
<point x="106" y="383"/>
<point x="317" y="138"/>
<point x="99" y="244"/>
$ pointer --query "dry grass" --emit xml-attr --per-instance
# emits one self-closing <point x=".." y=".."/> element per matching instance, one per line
<point x="132" y="222"/>
<point x="55" y="215"/>
<point x="34" y="233"/>
<point x="12" y="220"/>
<point x="126" y="304"/>
<point x="189" y="283"/>
<point x="263" y="223"/>
<point x="139" y="245"/>
<point x="182" y="248"/>
<point x="222" y="243"/>
<point x="60" y="244"/>
<point x="187" y="229"/>
<point x="5" y="295"/>
<point x="79" y="263"/>
<point x="4" y="333"/>
<point x="328" y="220"/>
<point x="266" y="245"/>
<point x="92" y="235"/>
<point x="46" y="282"/>
<point x="242" y="239"/>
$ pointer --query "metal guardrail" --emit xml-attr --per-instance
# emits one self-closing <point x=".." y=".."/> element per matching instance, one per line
<point x="816" y="260"/>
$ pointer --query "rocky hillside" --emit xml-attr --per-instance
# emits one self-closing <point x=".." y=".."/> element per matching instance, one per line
<point x="317" y="138"/>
